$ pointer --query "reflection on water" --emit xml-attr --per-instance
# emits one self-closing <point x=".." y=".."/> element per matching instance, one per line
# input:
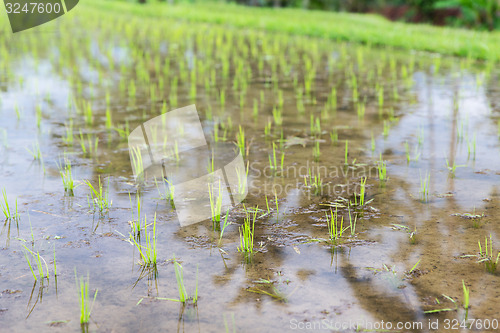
<point x="423" y="121"/>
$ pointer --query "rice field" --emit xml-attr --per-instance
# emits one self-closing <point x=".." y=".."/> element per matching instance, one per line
<point x="372" y="174"/>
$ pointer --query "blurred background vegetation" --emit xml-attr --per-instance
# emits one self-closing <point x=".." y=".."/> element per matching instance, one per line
<point x="473" y="14"/>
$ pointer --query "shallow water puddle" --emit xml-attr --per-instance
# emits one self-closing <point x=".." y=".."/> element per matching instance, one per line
<point x="307" y="103"/>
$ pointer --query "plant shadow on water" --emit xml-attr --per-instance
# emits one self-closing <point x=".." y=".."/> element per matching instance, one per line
<point x="351" y="210"/>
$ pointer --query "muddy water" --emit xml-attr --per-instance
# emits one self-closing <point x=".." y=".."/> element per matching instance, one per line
<point x="438" y="106"/>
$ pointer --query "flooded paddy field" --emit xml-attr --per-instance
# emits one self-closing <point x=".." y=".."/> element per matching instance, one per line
<point x="372" y="183"/>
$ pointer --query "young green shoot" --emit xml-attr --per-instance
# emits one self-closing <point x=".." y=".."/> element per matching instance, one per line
<point x="85" y="305"/>
<point x="38" y="271"/>
<point x="67" y="177"/>
<point x="147" y="251"/>
<point x="4" y="205"/>
<point x="247" y="232"/>
<point x="99" y="198"/>
<point x="424" y="187"/>
<point x="274" y="163"/>
<point x="215" y="205"/>
<point x="490" y="262"/>
<point x="183" y="295"/>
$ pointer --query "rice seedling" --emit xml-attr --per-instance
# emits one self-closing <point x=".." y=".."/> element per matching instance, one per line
<point x="89" y="115"/>
<point x="315" y="125"/>
<point x="275" y="293"/>
<point x="215" y="205"/>
<point x="334" y="136"/>
<point x="412" y="234"/>
<point x="136" y="223"/>
<point x="382" y="170"/>
<point x="314" y="182"/>
<point x="247" y="233"/>
<point x="471" y="146"/>
<point x="346" y="162"/>
<point x="85" y="305"/>
<point x="352" y="221"/>
<point x="490" y="262"/>
<point x="168" y="191"/>
<point x="387" y="127"/>
<point x="277" y="116"/>
<point x="183" y="295"/>
<point x="420" y="137"/>
<point x="424" y="187"/>
<point x="444" y="309"/>
<point x="224" y="226"/>
<point x="466" y="291"/>
<point x="38" y="272"/>
<point x="274" y="163"/>
<point x="267" y="129"/>
<point x="240" y="141"/>
<point x="68" y="139"/>
<point x="67" y="177"/>
<point x="38" y="113"/>
<point x="362" y="191"/>
<point x="407" y="150"/>
<point x="380" y="96"/>
<point x="413" y="268"/>
<point x="335" y="227"/>
<point x="109" y="120"/>
<point x="316" y="151"/>
<point x="373" y="143"/>
<point x="226" y="323"/>
<point x="147" y="251"/>
<point x="36" y="153"/>
<point x="99" y="198"/>
<point x="89" y="146"/>
<point x="18" y="113"/>
<point x="8" y="213"/>
<point x="361" y="109"/>
<point x="452" y="168"/>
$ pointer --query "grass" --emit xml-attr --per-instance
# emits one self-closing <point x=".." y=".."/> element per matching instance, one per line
<point x="346" y="153"/>
<point x="334" y="136"/>
<point x="7" y="212"/>
<point x="226" y="323"/>
<point x="466" y="291"/>
<point x="37" y="269"/>
<point x="247" y="233"/>
<point x="147" y="251"/>
<point x="88" y="145"/>
<point x="168" y="191"/>
<point x="275" y="293"/>
<point x="240" y="141"/>
<point x="490" y="262"/>
<point x="382" y="170"/>
<point x="351" y="27"/>
<point x="85" y="305"/>
<point x="277" y="116"/>
<point x="224" y="226"/>
<point x="335" y="227"/>
<point x="274" y="163"/>
<point x="67" y="177"/>
<point x="136" y="223"/>
<point x="424" y="187"/>
<point x="215" y="205"/>
<point x="314" y="182"/>
<point x="99" y="198"/>
<point x="452" y="168"/>
<point x="362" y="191"/>
<point x="183" y="295"/>
<point x="36" y="153"/>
